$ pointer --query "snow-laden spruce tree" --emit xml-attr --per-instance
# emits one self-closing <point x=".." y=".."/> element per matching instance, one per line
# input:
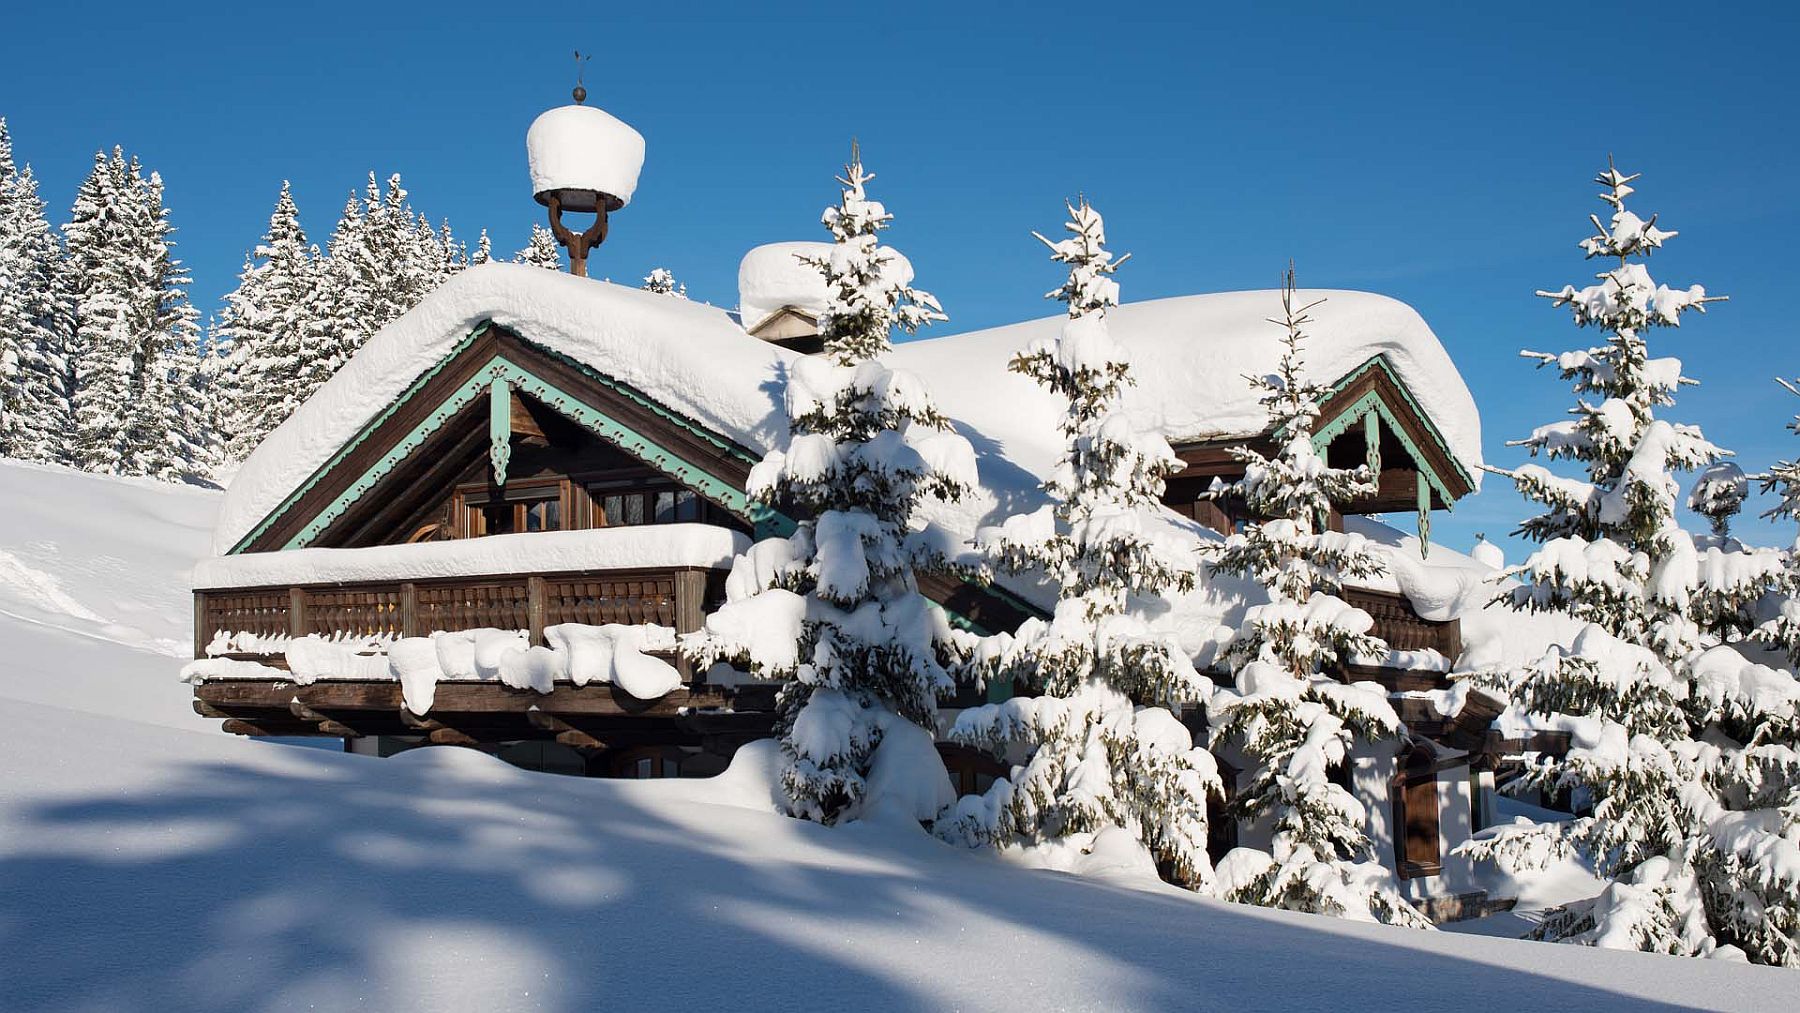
<point x="834" y="610"/>
<point x="135" y="336"/>
<point x="1101" y="744"/>
<point x="34" y="320"/>
<point x="662" y="281"/>
<point x="541" y="251"/>
<point x="1685" y="728"/>
<point x="267" y="324"/>
<point x="484" y="250"/>
<point x="382" y="259"/>
<point x="1288" y="711"/>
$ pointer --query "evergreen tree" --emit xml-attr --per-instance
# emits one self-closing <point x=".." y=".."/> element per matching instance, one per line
<point x="484" y="250"/>
<point x="268" y="328"/>
<point x="542" y="251"/>
<point x="662" y="282"/>
<point x="1689" y="759"/>
<point x="134" y="331"/>
<point x="1103" y="746"/>
<point x="1287" y="710"/>
<point x="34" y="319"/>
<point x="834" y="610"/>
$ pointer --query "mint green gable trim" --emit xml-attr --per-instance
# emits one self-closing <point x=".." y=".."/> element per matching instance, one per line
<point x="1371" y="404"/>
<point x="1437" y="435"/>
<point x="493" y="380"/>
<point x="499" y="428"/>
<point x="361" y="436"/>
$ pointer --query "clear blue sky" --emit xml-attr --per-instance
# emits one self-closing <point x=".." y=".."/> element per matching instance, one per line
<point x="1441" y="157"/>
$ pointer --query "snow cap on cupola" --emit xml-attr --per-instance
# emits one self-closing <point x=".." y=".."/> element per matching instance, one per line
<point x="584" y="155"/>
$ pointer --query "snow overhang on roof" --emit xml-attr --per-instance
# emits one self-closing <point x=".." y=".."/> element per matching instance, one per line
<point x="1190" y="357"/>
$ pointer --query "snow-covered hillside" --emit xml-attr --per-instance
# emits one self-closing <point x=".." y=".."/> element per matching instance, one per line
<point x="147" y="861"/>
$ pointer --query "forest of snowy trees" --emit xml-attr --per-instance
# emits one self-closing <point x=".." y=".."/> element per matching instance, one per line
<point x="104" y="364"/>
<point x="1684" y="788"/>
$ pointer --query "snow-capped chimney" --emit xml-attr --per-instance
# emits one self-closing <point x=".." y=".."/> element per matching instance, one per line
<point x="782" y="294"/>
<point x="583" y="160"/>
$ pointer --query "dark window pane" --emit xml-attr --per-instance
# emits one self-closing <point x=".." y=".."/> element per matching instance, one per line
<point x="665" y="507"/>
<point x="614" y="507"/>
<point x="634" y="509"/>
<point x="687" y="506"/>
<point x="544" y="515"/>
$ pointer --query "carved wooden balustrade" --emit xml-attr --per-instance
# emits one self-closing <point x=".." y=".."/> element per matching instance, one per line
<point x="677" y="597"/>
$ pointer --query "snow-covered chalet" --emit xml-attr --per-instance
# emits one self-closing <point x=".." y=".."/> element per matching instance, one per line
<point x="488" y="528"/>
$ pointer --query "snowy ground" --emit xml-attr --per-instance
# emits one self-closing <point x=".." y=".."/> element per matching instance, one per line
<point x="147" y="861"/>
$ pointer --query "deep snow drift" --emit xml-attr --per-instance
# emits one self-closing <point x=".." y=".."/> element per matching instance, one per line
<point x="164" y="867"/>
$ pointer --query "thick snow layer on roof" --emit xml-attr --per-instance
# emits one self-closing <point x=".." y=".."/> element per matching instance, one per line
<point x="538" y="552"/>
<point x="773" y="275"/>
<point x="1190" y="355"/>
<point x="583" y="148"/>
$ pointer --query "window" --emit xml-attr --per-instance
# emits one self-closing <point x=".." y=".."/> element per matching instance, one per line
<point x="648" y="762"/>
<point x="618" y="504"/>
<point x="536" y="507"/>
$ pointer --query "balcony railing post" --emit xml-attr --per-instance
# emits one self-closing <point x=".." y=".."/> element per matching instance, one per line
<point x="297" y="612"/>
<point x="536" y="597"/>
<point x="409" y="609"/>
<point x="202" y="636"/>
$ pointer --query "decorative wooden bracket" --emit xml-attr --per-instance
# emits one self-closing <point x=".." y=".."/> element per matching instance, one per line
<point x="1372" y="442"/>
<point x="1424" y="514"/>
<point x="500" y="427"/>
<point x="578" y="244"/>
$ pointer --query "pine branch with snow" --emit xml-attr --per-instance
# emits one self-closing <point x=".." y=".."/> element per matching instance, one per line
<point x="834" y="610"/>
<point x="1104" y="748"/>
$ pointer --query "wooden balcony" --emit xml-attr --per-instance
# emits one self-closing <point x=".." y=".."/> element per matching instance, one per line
<point x="1397" y="623"/>
<point x="677" y="597"/>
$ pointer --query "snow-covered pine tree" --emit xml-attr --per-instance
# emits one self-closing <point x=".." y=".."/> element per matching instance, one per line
<point x="268" y="328"/>
<point x="661" y="281"/>
<point x="834" y="610"/>
<point x="133" y="325"/>
<point x="1288" y="712"/>
<point x="1688" y="754"/>
<point x="1104" y="751"/>
<point x="484" y="250"/>
<point x="34" y="319"/>
<point x="542" y="251"/>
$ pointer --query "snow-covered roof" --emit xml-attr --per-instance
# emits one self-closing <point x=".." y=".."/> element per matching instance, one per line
<point x="1190" y="356"/>
<point x="649" y="545"/>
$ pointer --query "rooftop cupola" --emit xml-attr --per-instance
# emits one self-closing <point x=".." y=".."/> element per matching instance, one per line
<point x="583" y="160"/>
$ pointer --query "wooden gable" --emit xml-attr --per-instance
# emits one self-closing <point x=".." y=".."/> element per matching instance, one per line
<point x="1369" y="418"/>
<point x="406" y="469"/>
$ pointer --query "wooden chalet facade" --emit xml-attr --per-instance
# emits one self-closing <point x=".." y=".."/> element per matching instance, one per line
<point x="506" y="437"/>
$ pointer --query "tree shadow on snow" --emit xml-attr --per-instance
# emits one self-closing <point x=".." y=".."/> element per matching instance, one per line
<point x="339" y="881"/>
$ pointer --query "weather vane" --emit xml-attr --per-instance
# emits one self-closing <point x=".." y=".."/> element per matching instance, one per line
<point x="580" y="62"/>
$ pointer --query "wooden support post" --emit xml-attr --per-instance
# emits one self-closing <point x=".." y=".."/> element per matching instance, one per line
<point x="202" y="636"/>
<point x="1424" y="488"/>
<point x="690" y="600"/>
<point x="409" y="610"/>
<point x="297" y="612"/>
<point x="536" y="607"/>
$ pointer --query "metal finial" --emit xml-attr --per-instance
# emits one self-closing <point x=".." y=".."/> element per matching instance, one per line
<point x="580" y="92"/>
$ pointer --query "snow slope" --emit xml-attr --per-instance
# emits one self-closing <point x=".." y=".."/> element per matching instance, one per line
<point x="95" y="603"/>
<point x="147" y="867"/>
